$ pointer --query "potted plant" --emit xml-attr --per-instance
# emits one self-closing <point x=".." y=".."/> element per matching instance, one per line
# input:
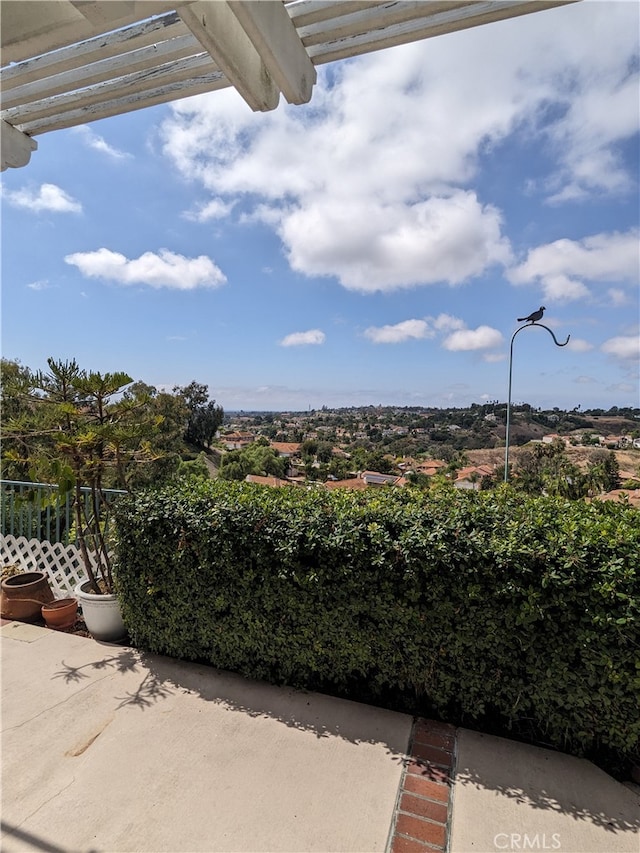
<point x="86" y="436"/>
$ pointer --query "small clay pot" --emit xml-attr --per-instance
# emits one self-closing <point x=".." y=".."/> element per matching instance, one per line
<point x="60" y="614"/>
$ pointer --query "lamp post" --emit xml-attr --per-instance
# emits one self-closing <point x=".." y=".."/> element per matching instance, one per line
<point x="513" y="337"/>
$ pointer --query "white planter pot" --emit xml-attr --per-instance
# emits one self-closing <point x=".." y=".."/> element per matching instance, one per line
<point x="101" y="614"/>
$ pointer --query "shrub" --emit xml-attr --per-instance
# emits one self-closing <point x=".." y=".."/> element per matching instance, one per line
<point x="488" y="607"/>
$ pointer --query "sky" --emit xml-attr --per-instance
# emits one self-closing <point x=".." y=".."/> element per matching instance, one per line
<point x="374" y="247"/>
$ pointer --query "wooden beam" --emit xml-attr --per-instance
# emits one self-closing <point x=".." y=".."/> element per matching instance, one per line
<point x="305" y="12"/>
<point x="15" y="146"/>
<point x="172" y="91"/>
<point x="91" y="50"/>
<point x="38" y="26"/>
<point x="135" y="84"/>
<point x="426" y="26"/>
<point x="377" y="19"/>
<point x="219" y="32"/>
<point x="274" y="36"/>
<point x="123" y="65"/>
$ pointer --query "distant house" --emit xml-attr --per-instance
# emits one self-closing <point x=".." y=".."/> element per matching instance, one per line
<point x="353" y="483"/>
<point x="374" y="478"/>
<point x="367" y="479"/>
<point x="286" y="448"/>
<point x="631" y="496"/>
<point x="549" y="439"/>
<point x="471" y="476"/>
<point x="433" y="466"/>
<point x="273" y="482"/>
<point x="237" y="440"/>
<point x="610" y="440"/>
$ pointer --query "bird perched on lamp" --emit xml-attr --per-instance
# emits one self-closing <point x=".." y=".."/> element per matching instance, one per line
<point x="533" y="317"/>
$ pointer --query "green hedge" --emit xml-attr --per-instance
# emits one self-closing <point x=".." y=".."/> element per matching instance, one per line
<point x="489" y="606"/>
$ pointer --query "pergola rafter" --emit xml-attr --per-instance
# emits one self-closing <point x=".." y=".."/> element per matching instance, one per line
<point x="69" y="62"/>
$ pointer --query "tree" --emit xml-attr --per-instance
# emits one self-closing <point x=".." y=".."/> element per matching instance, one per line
<point x="547" y="469"/>
<point x="204" y="416"/>
<point x="16" y="389"/>
<point x="171" y="413"/>
<point x="82" y="433"/>
<point x="258" y="458"/>
<point x="603" y="472"/>
<point x="324" y="451"/>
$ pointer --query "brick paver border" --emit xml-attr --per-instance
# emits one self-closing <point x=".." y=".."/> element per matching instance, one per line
<point x="422" y="816"/>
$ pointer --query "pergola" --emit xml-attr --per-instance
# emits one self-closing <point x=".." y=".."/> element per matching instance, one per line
<point x="69" y="62"/>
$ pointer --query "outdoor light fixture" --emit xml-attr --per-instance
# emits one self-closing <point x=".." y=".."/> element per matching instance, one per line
<point x="531" y="320"/>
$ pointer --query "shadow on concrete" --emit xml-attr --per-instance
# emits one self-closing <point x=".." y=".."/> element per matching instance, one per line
<point x="550" y="781"/>
<point x="124" y="661"/>
<point x="325" y="716"/>
<point x="149" y="691"/>
<point x="29" y="841"/>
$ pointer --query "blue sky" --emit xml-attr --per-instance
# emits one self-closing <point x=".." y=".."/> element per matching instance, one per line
<point x="373" y="247"/>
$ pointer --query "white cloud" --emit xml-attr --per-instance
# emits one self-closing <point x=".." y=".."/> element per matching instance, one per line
<point x="98" y="143"/>
<point x="584" y="380"/>
<point x="484" y="337"/>
<point x="400" y="332"/>
<point x="42" y="284"/>
<point x="447" y="323"/>
<point x="602" y="112"/>
<point x="371" y="183"/>
<point x="617" y="297"/>
<point x="579" y="345"/>
<point x="296" y="339"/>
<point x="215" y="209"/>
<point x="623" y="387"/>
<point x="623" y="347"/>
<point x="48" y="197"/>
<point x="456" y="335"/>
<point x="395" y="245"/>
<point x="560" y="267"/>
<point x="164" y="269"/>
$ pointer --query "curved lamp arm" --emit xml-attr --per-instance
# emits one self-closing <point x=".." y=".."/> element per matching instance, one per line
<point x="513" y="337"/>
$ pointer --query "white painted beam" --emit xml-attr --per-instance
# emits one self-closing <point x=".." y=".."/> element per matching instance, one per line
<point x="134" y="84"/>
<point x="38" y="26"/>
<point x="367" y="20"/>
<point x="15" y="147"/>
<point x="112" y="68"/>
<point x="91" y="50"/>
<point x="274" y="36"/>
<point x="425" y="26"/>
<point x="219" y="32"/>
<point x="172" y="91"/>
<point x="305" y="12"/>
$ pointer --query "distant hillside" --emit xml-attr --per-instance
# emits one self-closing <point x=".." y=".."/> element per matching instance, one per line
<point x="628" y="460"/>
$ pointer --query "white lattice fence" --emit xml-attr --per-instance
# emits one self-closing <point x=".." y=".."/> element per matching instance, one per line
<point x="62" y="563"/>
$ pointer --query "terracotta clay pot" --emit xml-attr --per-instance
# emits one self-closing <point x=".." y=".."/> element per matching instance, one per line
<point x="60" y="614"/>
<point x="23" y="595"/>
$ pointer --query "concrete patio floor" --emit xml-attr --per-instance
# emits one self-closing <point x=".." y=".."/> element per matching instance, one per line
<point x="112" y="750"/>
